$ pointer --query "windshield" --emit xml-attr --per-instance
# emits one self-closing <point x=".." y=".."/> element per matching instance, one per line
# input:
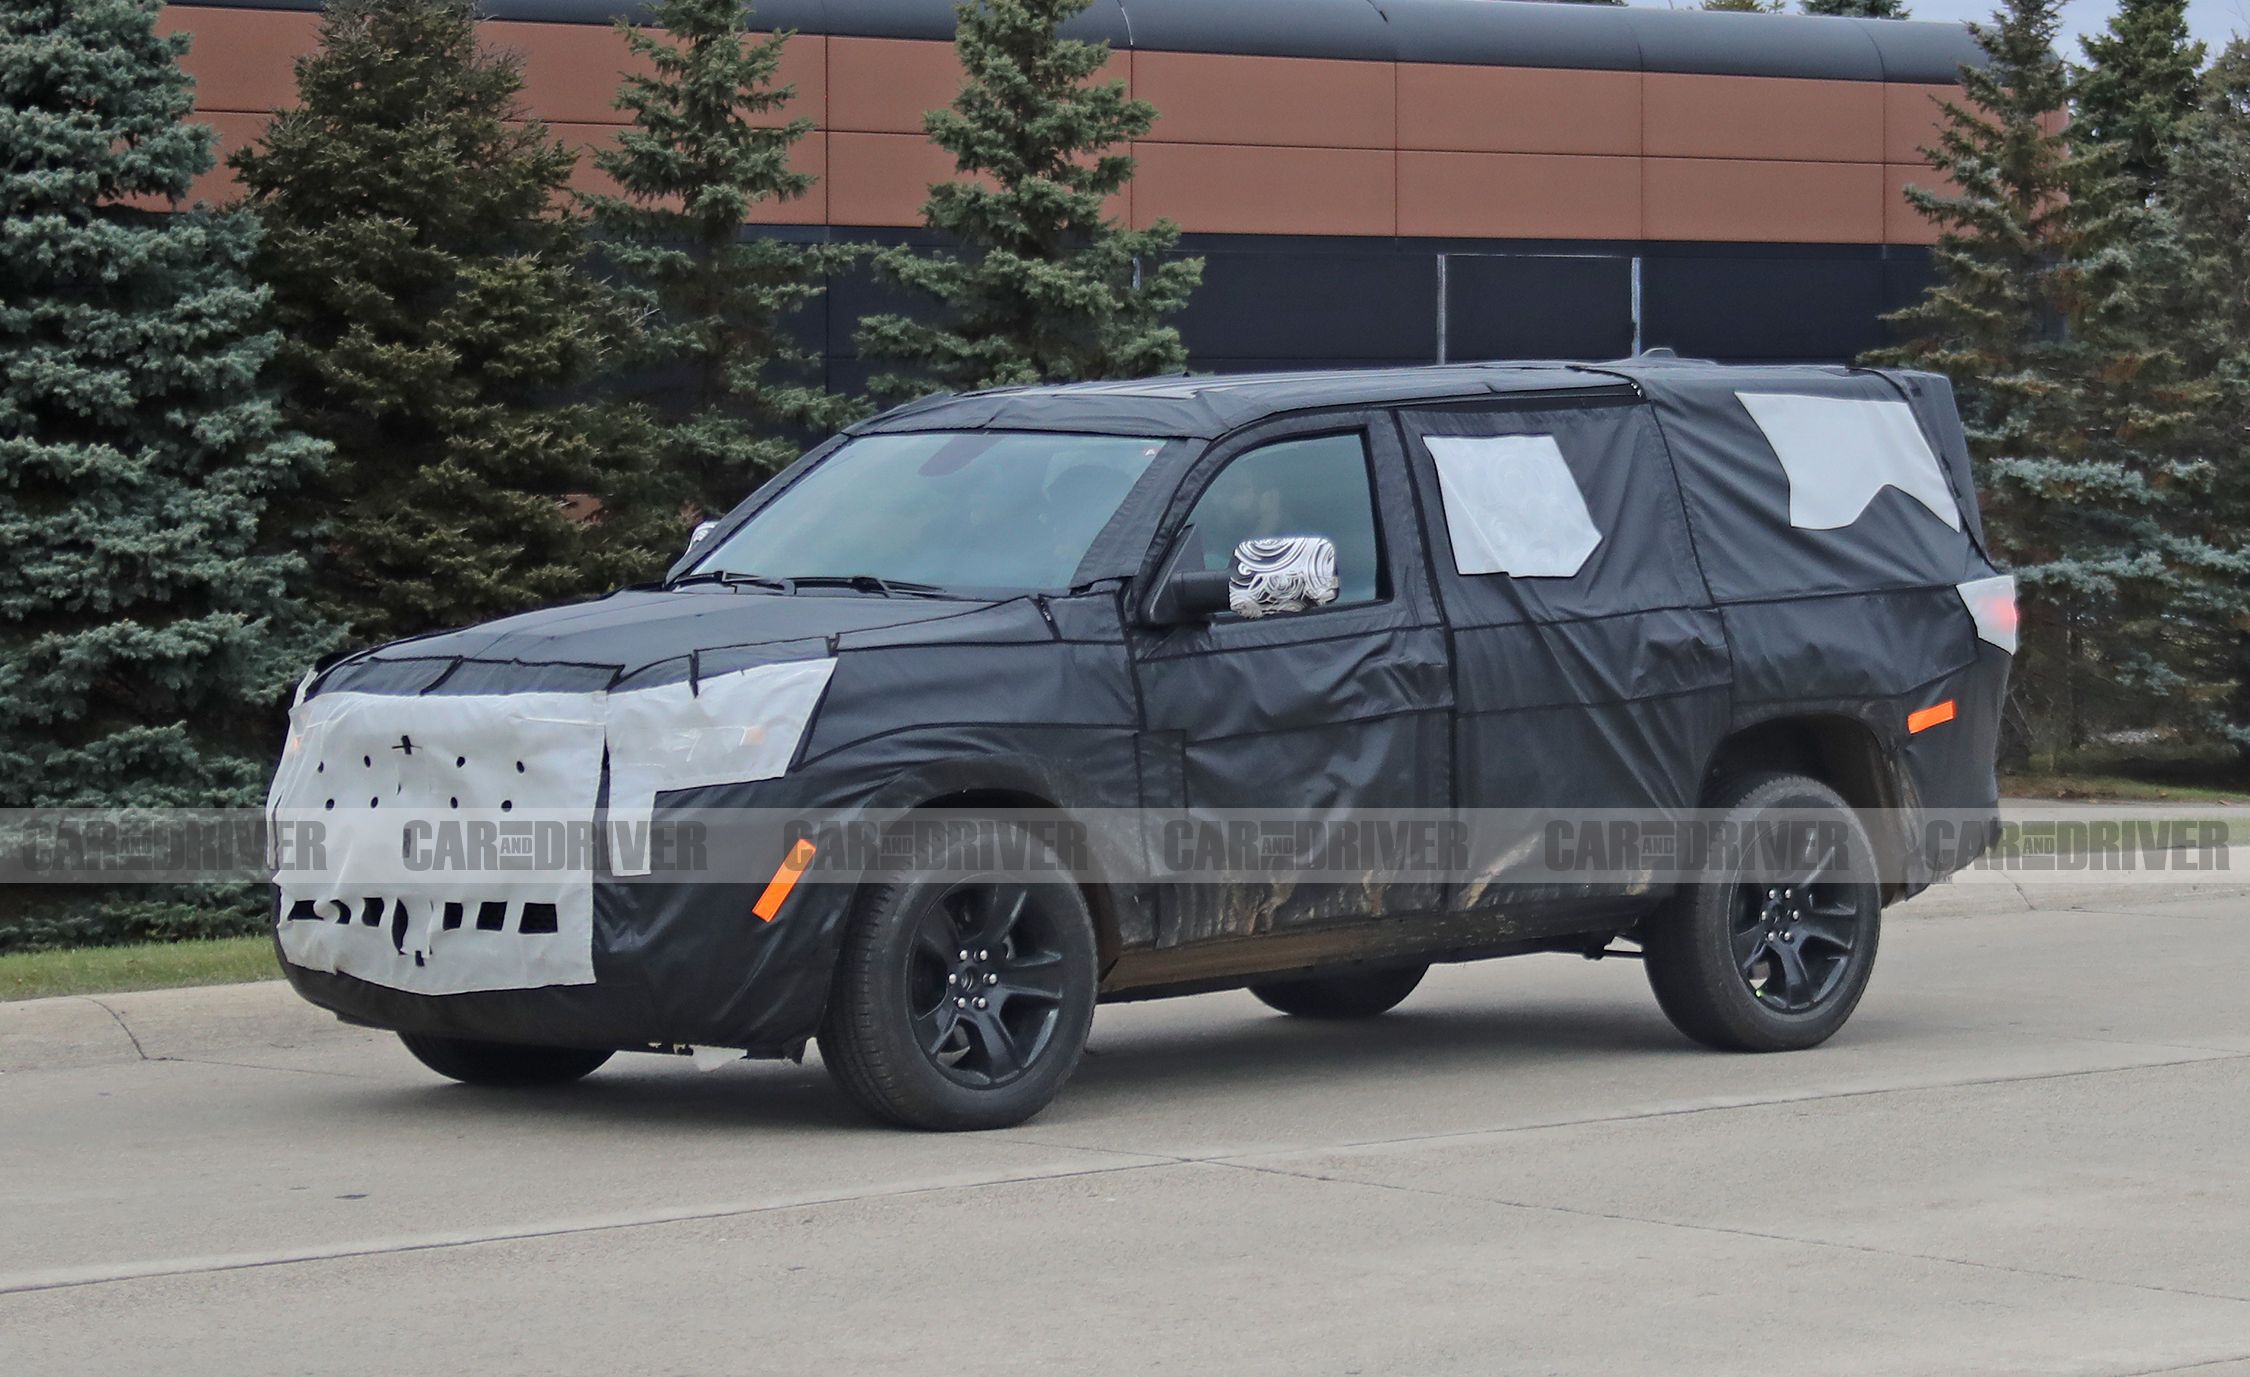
<point x="953" y="509"/>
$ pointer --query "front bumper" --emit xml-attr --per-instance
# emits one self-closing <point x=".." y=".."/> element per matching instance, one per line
<point x="420" y="912"/>
<point x="673" y="964"/>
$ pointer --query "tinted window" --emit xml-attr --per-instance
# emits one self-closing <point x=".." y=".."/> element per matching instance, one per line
<point x="959" y="509"/>
<point x="1312" y="487"/>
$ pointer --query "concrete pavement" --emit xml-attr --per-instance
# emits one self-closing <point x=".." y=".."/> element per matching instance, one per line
<point x="2029" y="1152"/>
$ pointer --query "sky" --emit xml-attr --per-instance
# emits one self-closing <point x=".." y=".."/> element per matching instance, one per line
<point x="2213" y="21"/>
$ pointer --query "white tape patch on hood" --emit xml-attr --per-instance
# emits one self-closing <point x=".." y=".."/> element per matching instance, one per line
<point x="1840" y="451"/>
<point x="518" y="776"/>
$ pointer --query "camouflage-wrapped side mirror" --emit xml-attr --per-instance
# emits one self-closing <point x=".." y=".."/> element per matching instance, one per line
<point x="1282" y="574"/>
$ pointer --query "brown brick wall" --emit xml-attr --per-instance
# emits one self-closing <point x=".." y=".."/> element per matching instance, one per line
<point x="1264" y="145"/>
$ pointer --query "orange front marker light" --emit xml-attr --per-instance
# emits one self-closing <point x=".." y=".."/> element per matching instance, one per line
<point x="1936" y="714"/>
<point x="784" y="880"/>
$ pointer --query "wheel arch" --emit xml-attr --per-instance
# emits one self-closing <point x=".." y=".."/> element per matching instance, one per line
<point x="1846" y="754"/>
<point x="1100" y="894"/>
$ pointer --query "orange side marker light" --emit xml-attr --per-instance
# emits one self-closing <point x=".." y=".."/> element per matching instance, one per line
<point x="1935" y="715"/>
<point x="784" y="880"/>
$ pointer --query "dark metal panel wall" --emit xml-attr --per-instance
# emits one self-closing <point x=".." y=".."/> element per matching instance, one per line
<point x="1905" y="277"/>
<point x="1527" y="306"/>
<point x="1288" y="302"/>
<point x="1313" y="304"/>
<point x="1763" y="306"/>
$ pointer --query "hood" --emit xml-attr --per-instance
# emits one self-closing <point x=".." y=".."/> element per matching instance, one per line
<point x="634" y="639"/>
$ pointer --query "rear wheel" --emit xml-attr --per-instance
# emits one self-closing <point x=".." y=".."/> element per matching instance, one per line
<point x="502" y="1063"/>
<point x="962" y="1001"/>
<point x="1773" y="954"/>
<point x="1361" y="994"/>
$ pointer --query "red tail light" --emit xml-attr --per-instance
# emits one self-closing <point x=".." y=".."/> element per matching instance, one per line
<point x="1992" y="606"/>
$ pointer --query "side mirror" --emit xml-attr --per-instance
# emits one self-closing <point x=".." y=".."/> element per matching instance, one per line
<point x="703" y="530"/>
<point x="1196" y="595"/>
<point x="1282" y="574"/>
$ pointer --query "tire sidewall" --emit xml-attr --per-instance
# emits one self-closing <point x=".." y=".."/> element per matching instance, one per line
<point x="1700" y="942"/>
<point x="869" y="1021"/>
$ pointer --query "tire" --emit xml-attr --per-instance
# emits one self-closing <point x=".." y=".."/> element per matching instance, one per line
<point x="502" y="1063"/>
<point x="1361" y="994"/>
<point x="1743" y="965"/>
<point x="907" y="1037"/>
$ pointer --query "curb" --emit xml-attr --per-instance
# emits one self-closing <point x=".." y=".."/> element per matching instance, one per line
<point x="1996" y="896"/>
<point x="160" y="1025"/>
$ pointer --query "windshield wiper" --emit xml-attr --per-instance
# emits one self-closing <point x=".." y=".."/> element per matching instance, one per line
<point x="729" y="578"/>
<point x="871" y="583"/>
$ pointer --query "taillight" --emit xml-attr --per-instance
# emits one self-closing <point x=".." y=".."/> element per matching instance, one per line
<point x="1992" y="606"/>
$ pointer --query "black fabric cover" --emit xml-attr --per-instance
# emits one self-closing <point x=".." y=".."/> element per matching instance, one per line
<point x="1700" y="612"/>
<point x="1327" y="711"/>
<point x="1602" y="690"/>
<point x="1738" y="496"/>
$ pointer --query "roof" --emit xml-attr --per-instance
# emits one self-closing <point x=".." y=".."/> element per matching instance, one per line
<point x="1511" y="33"/>
<point x="1206" y="407"/>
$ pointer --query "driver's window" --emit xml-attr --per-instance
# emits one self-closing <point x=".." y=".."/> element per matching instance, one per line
<point x="1319" y="486"/>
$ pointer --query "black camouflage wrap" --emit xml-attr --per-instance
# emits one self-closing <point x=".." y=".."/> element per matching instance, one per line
<point x="1703" y="612"/>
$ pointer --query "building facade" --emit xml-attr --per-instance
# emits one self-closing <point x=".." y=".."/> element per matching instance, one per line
<point x="1369" y="181"/>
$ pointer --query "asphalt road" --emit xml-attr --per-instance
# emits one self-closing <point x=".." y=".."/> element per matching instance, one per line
<point x="2030" y="1152"/>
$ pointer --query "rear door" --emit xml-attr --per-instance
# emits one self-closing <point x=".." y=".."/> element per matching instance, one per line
<point x="1591" y="672"/>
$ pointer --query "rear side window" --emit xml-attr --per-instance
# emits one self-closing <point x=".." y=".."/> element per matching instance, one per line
<point x="1840" y="452"/>
<point x="1551" y="514"/>
<point x="1319" y="486"/>
<point x="1511" y="506"/>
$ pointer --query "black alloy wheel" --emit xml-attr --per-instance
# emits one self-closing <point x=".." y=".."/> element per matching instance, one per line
<point x="1793" y="942"/>
<point x="986" y="980"/>
<point x="961" y="997"/>
<point x="1774" y="954"/>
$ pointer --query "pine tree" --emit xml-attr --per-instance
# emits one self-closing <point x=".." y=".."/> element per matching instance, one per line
<point x="428" y="281"/>
<point x="1858" y="9"/>
<point x="690" y="169"/>
<point x="1745" y="6"/>
<point x="1035" y="284"/>
<point x="2139" y="84"/>
<point x="148" y="632"/>
<point x="2203" y="254"/>
<point x="2077" y="421"/>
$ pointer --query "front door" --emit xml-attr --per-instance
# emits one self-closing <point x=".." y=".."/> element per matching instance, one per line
<point x="1296" y="726"/>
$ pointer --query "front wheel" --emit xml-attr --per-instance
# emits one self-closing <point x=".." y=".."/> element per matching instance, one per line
<point x="502" y="1063"/>
<point x="962" y="1000"/>
<point x="1772" y="954"/>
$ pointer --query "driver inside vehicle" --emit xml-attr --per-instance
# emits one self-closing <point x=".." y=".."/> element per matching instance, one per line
<point x="1310" y="487"/>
